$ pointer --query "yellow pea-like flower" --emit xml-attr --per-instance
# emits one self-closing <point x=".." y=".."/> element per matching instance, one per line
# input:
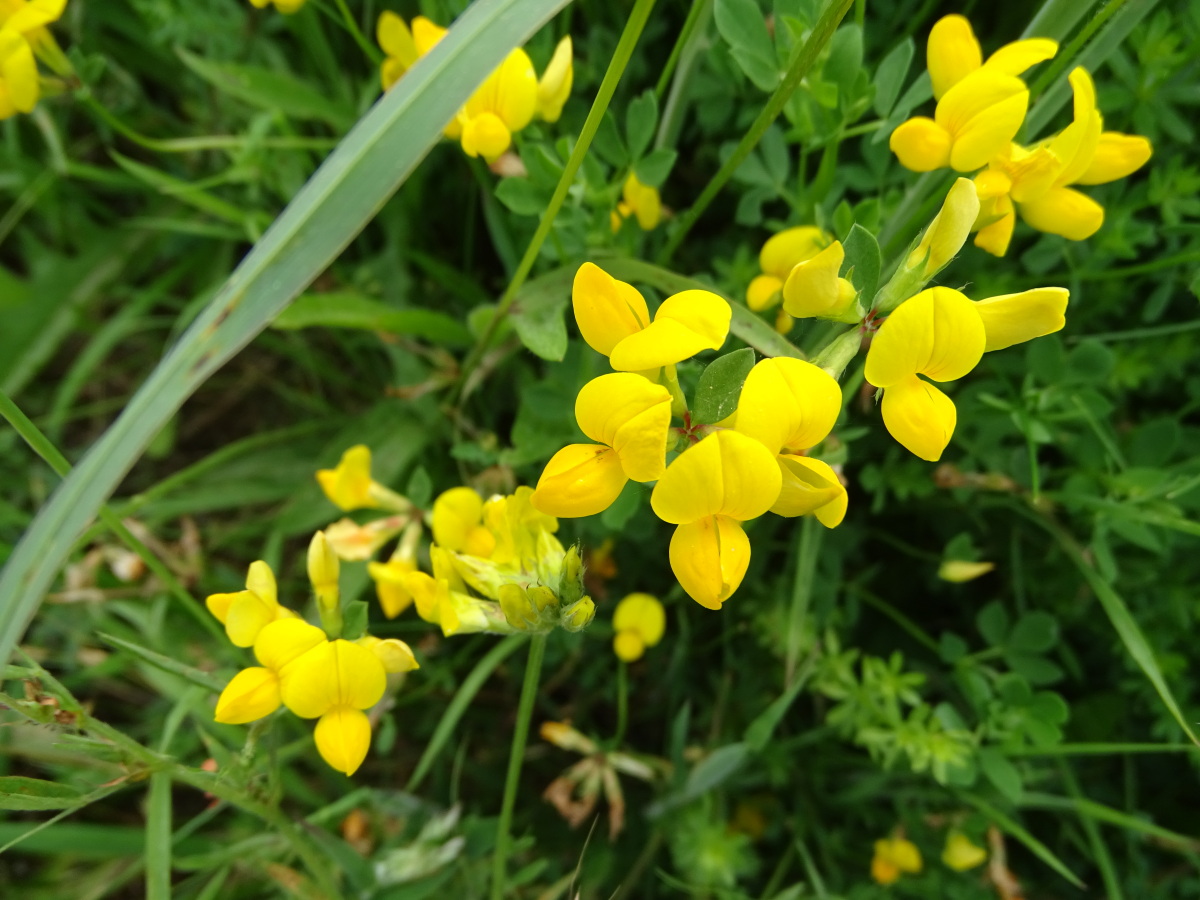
<point x="894" y="857"/>
<point x="814" y="289"/>
<point x="810" y="486"/>
<point x="396" y="40"/>
<point x="19" y="88"/>
<point x="245" y="613"/>
<point x="333" y="674"/>
<point x="343" y="736"/>
<point x="27" y="16"/>
<point x="779" y="255"/>
<point x="639" y="622"/>
<point x="606" y="310"/>
<point x="252" y="694"/>
<point x="683" y="325"/>
<point x="350" y="486"/>
<point x="391" y="584"/>
<point x="503" y="104"/>
<point x="393" y="654"/>
<point x="284" y="641"/>
<point x="961" y="853"/>
<point x="457" y="523"/>
<point x="554" y="87"/>
<point x="953" y="53"/>
<point x="630" y="418"/>
<point x="641" y="201"/>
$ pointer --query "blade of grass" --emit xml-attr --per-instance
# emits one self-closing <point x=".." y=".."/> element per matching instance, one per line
<point x="346" y="192"/>
<point x="1014" y="829"/>
<point x="1104" y="861"/>
<point x="157" y="854"/>
<point x="1101" y="813"/>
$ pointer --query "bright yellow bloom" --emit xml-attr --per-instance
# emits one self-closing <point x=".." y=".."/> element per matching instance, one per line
<point x="638" y="200"/>
<point x="1036" y="182"/>
<point x="961" y="854"/>
<point x="350" y="486"/>
<point x="779" y="255"/>
<point x="554" y="87"/>
<point x="391" y="577"/>
<point x="245" y="613"/>
<point x="607" y="310"/>
<point x="959" y="571"/>
<point x="790" y="406"/>
<point x="254" y="692"/>
<point x="942" y="335"/>
<point x="286" y="7"/>
<point x="18" y="74"/>
<point x="894" y="856"/>
<point x="981" y="105"/>
<point x="639" y="622"/>
<point x="813" y="288"/>
<point x="457" y="522"/>
<point x="629" y="417"/>
<point x="725" y="479"/>
<point x="503" y="105"/>
<point x="397" y="42"/>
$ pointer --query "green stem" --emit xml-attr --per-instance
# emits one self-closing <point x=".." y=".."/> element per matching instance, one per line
<point x="1069" y="52"/>
<point x="622" y="702"/>
<point x="679" y="406"/>
<point x="42" y="446"/>
<point x="800" y="65"/>
<point x="616" y="68"/>
<point x="808" y="544"/>
<point x="368" y="48"/>
<point x="533" y="671"/>
<point x="685" y="34"/>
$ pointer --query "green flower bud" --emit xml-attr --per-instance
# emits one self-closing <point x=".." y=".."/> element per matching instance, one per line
<point x="580" y="615"/>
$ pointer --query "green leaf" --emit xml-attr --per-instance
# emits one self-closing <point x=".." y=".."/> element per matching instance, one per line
<point x="720" y="386"/>
<point x="1001" y="773"/>
<point x="758" y="735"/>
<point x="641" y="118"/>
<point x="992" y="622"/>
<point x="654" y="169"/>
<point x="537" y="313"/>
<point x="351" y="310"/>
<point x="354" y="619"/>
<point x="521" y="196"/>
<point x="166" y="663"/>
<point x="863" y="261"/>
<point x="845" y="58"/>
<point x="890" y="75"/>
<point x="28" y="794"/>
<point x="608" y="144"/>
<point x="715" y="769"/>
<point x="344" y="194"/>
<point x="269" y="89"/>
<point x="743" y="27"/>
<point x="181" y="190"/>
<point x="1035" y="632"/>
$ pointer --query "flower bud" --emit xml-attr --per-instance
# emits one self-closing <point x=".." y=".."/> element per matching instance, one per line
<point x="580" y="615"/>
<point x="543" y="599"/>
<point x="570" y="585"/>
<point x="958" y="571"/>
<point x="517" y="608"/>
<point x="393" y="653"/>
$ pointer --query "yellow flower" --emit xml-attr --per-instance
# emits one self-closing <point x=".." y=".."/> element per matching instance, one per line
<point x="961" y="854"/>
<point x="254" y="692"/>
<point x="457" y="523"/>
<point x="503" y="104"/>
<point x="958" y="571"/>
<point x="284" y="6"/>
<point x="554" y="87"/>
<point x="894" y="856"/>
<point x="1036" y="182"/>
<point x="397" y="42"/>
<point x="813" y="288"/>
<point x="354" y="543"/>
<point x="390" y="577"/>
<point x="335" y="681"/>
<point x="638" y="200"/>
<point x="779" y="255"/>
<point x="629" y="417"/>
<point x="350" y="486"/>
<point x="607" y="310"/>
<point x="707" y="491"/>
<point x="393" y="654"/>
<point x="245" y="613"/>
<point x="323" y="570"/>
<point x="639" y="622"/>
<point x="18" y="74"/>
<point x="981" y="105"/>
<point x="942" y="335"/>
<point x="790" y="406"/>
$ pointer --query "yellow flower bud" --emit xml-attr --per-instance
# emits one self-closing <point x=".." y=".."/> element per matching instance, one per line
<point x="343" y="736"/>
<point x="554" y="87"/>
<point x="961" y="854"/>
<point x="393" y="654"/>
<point x="252" y="694"/>
<point x="959" y="570"/>
<point x="517" y="608"/>
<point x="580" y="615"/>
<point x="949" y="229"/>
<point x="323" y="569"/>
<point x="813" y="288"/>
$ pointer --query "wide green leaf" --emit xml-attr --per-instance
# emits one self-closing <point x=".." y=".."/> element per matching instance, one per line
<point x="347" y="309"/>
<point x="345" y="193"/>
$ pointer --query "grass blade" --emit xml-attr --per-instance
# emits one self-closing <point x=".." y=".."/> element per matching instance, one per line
<point x="339" y="200"/>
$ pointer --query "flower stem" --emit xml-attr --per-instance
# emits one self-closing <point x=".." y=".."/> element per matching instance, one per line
<point x="622" y="702"/>
<point x="533" y="671"/>
<point x="679" y="405"/>
<point x="808" y="545"/>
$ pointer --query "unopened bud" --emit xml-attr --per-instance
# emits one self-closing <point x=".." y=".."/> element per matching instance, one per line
<point x="542" y="598"/>
<point x="395" y="655"/>
<point x="570" y="586"/>
<point x="517" y="609"/>
<point x="580" y="615"/>
<point x="959" y="570"/>
<point x="323" y="568"/>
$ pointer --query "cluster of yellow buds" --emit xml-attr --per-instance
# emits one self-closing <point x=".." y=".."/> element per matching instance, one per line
<point x="981" y="106"/>
<point x="896" y="856"/>
<point x="24" y="39"/>
<point x="496" y="564"/>
<point x="330" y="673"/>
<point x="753" y="462"/>
<point x="504" y="104"/>
<point x="640" y="202"/>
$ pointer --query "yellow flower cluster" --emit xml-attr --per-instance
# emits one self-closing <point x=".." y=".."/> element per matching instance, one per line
<point x="23" y="39"/>
<point x="981" y="105"/>
<point x="639" y="201"/>
<point x="897" y="856"/>
<point x="779" y="256"/>
<point x="754" y="462"/>
<point x="502" y="549"/>
<point x="316" y="676"/>
<point x="504" y="104"/>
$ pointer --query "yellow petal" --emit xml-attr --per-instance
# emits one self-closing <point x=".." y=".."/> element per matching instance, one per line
<point x="788" y="403"/>
<point x="1075" y="146"/>
<point x="509" y="95"/>
<point x="628" y="646"/>
<point x="252" y="694"/>
<point x="901" y="853"/>
<point x="1117" y="155"/>
<point x="1015" y="58"/>
<point x="790" y="247"/>
<point x="810" y="486"/>
<point x="218" y="604"/>
<point x="393" y="654"/>
<point x="248" y="614"/>
<point x="726" y="474"/>
<point x="883" y="871"/>
<point x="633" y="416"/>
<point x="391" y="584"/>
<point x="284" y="641"/>
<point x="949" y="229"/>
<point x="343" y="736"/>
<point x="18" y="70"/>
<point x="919" y="416"/>
<point x="261" y="580"/>
<point x="813" y="287"/>
<point x="685" y="324"/>
<point x="763" y="292"/>
<point x="996" y="236"/>
<point x="427" y="594"/>
<point x="486" y="135"/>
<point x="1014" y="318"/>
<point x="1032" y="172"/>
<point x="607" y="310"/>
<point x="921" y="144"/>
<point x="952" y="53"/>
<point x="426" y="35"/>
<point x="710" y="557"/>
<point x="982" y="114"/>
<point x="643" y="201"/>
<point x="348" y="486"/>
<point x="1065" y="212"/>
<point x="937" y="333"/>
<point x="960" y="570"/>
<point x="455" y="513"/>
<point x="31" y="15"/>
<point x="395" y="39"/>
<point x="579" y="480"/>
<point x="642" y="614"/>
<point x="554" y="87"/>
<point x="336" y="673"/>
<point x="961" y="854"/>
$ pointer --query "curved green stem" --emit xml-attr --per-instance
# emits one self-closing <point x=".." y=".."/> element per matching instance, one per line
<point x="533" y="671"/>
